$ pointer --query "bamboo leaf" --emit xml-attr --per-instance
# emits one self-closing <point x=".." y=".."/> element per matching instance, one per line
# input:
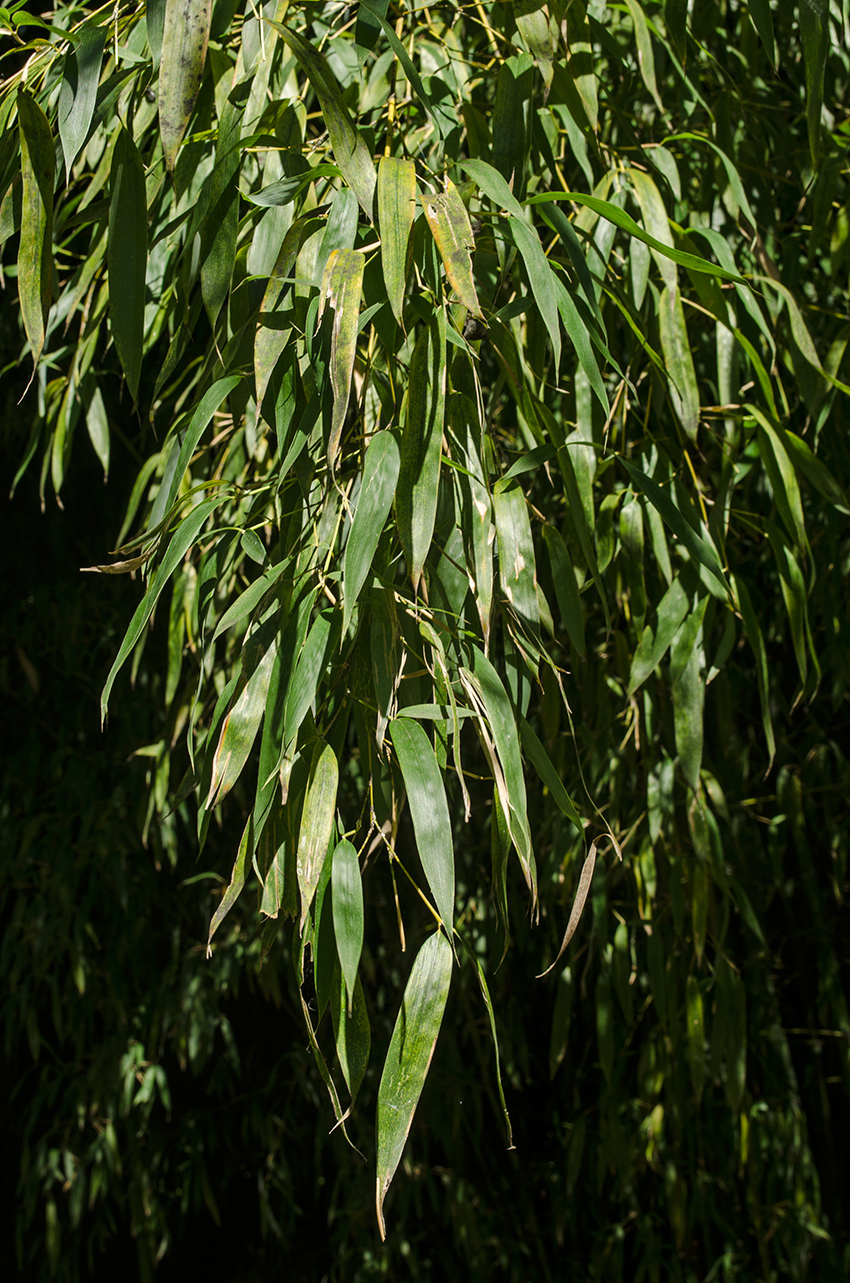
<point x="761" y="12"/>
<point x="646" y="58"/>
<point x="240" y="730"/>
<point x="409" y="1058"/>
<point x="449" y="223"/>
<point x="696" y="1034"/>
<point x="566" y="587"/>
<point x="35" y="250"/>
<point x="341" y="287"/>
<point x="182" y="540"/>
<point x="697" y="545"/>
<point x="347" y="914"/>
<point x="814" y="32"/>
<point x="419" y="470"/>
<point x="350" y="151"/>
<point x="653" y="646"/>
<point x="682" y="379"/>
<point x="429" y="812"/>
<point x="352" y="1034"/>
<point x="756" y="640"/>
<point x="500" y="718"/>
<point x="516" y="554"/>
<point x="377" y="488"/>
<point x="396" y="207"/>
<point x="184" y="51"/>
<point x="542" y="763"/>
<point x="78" y="95"/>
<point x="582" y="892"/>
<point x="532" y="20"/>
<point x="316" y="824"/>
<point x="623" y="220"/>
<point x="127" y="257"/>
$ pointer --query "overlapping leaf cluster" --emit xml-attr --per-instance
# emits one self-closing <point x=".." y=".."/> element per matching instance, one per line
<point x="490" y="437"/>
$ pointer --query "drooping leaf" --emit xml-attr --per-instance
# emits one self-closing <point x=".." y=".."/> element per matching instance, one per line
<point x="350" y="151"/>
<point x="451" y="229"/>
<point x="396" y="207"/>
<point x="185" y="38"/>
<point x="409" y="1058"/>
<point x="419" y="471"/>
<point x="127" y="257"/>
<point x="35" y="251"/>
<point x="380" y="474"/>
<point x="317" y="820"/>
<point x="78" y="95"/>
<point x="347" y="913"/>
<point x="429" y="811"/>
<point x="341" y="286"/>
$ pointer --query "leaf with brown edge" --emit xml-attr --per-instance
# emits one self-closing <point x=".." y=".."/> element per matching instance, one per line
<point x="341" y="288"/>
<point x="452" y="230"/>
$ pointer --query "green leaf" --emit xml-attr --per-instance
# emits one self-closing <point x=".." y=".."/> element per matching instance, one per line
<point x="419" y="470"/>
<point x="542" y="763"/>
<point x="78" y="94"/>
<point x="507" y="767"/>
<point x="350" y="151"/>
<point x="761" y="12"/>
<point x="396" y="207"/>
<point x="347" y="913"/>
<point x="182" y="540"/>
<point x="653" y="646"/>
<point x="697" y="545"/>
<point x="240" y="730"/>
<point x="316" y="823"/>
<point x="516" y="555"/>
<point x="237" y="882"/>
<point x="532" y="20"/>
<point x="341" y="287"/>
<point x="35" y="250"/>
<point x="128" y="257"/>
<point x="377" y="488"/>
<point x="351" y="1033"/>
<point x="184" y="51"/>
<point x="566" y="587"/>
<point x="429" y="812"/>
<point x="186" y="443"/>
<point x="753" y="632"/>
<point x="646" y="58"/>
<point x="688" y="697"/>
<point x="696" y="1034"/>
<point x="675" y="20"/>
<point x="682" y="379"/>
<point x="409" y="1058"/>
<point x="814" y="32"/>
<point x="623" y="220"/>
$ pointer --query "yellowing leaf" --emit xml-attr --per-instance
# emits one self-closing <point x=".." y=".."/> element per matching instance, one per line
<point x="341" y="286"/>
<point x="450" y="226"/>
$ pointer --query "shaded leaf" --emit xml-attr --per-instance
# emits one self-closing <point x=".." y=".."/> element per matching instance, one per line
<point x="409" y="1058"/>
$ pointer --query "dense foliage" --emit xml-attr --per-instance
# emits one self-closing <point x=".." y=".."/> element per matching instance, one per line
<point x="472" y="380"/>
